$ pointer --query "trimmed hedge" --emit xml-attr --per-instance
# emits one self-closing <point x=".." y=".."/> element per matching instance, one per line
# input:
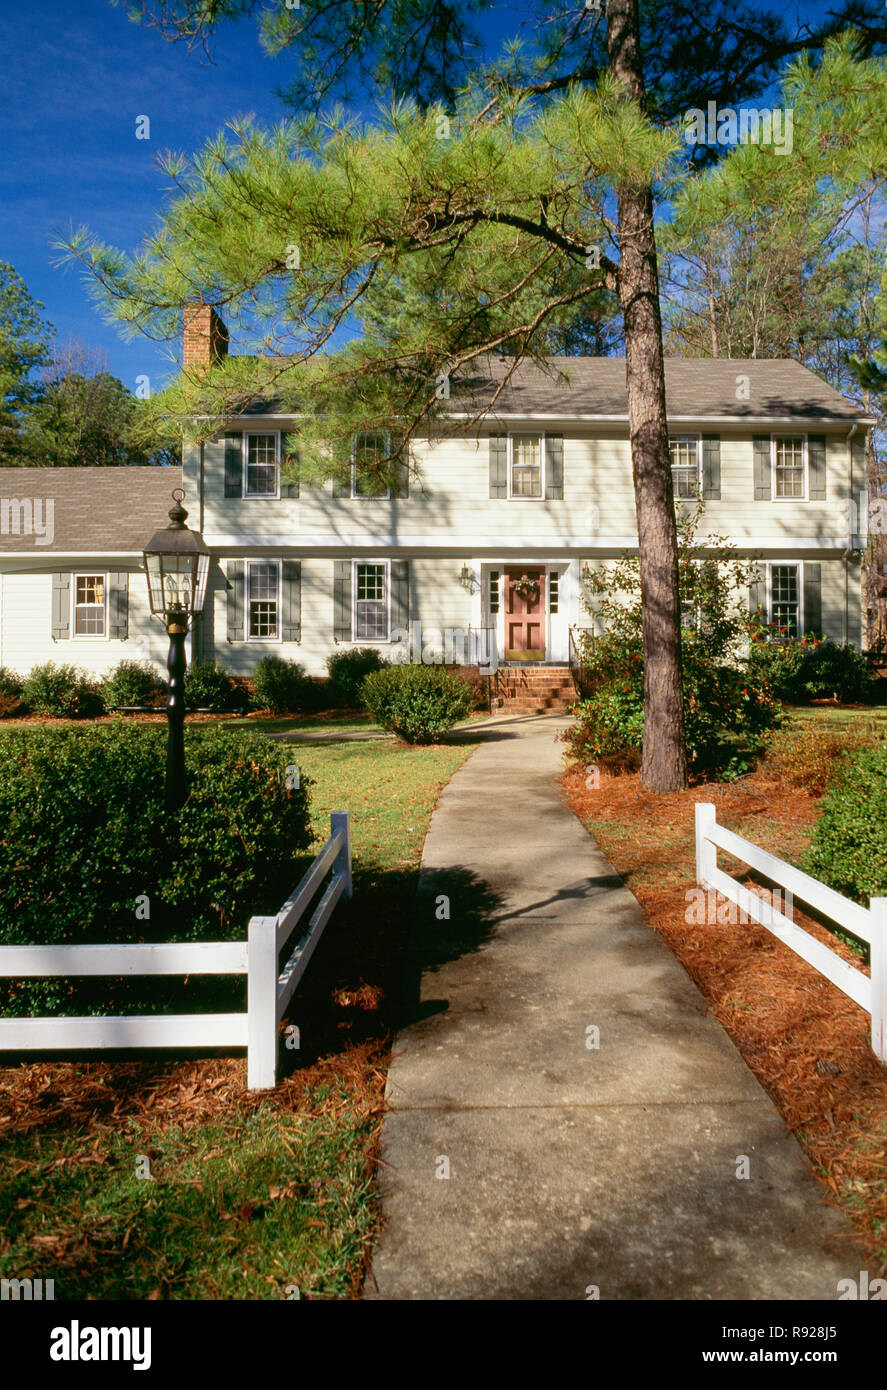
<point x="849" y="846"/>
<point x="282" y="687"/>
<point x="133" y="683"/>
<point x="86" y="839"/>
<point x="63" y="691"/>
<point x="418" y="703"/>
<point x="347" y="672"/>
<point x="208" y="686"/>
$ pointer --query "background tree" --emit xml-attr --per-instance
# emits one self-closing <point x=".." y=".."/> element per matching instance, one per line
<point x="24" y="347"/>
<point x="85" y="417"/>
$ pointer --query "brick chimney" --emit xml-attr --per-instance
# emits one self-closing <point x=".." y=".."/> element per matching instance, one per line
<point x="206" y="337"/>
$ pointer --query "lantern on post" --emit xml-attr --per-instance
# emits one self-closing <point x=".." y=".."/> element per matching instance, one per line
<point x="177" y="566"/>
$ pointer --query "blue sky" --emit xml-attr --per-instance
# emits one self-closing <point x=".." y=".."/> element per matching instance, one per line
<point x="77" y="77"/>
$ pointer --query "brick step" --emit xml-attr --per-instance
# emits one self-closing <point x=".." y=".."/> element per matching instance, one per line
<point x="559" y="684"/>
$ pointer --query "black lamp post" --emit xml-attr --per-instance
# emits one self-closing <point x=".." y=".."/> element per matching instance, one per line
<point x="177" y="565"/>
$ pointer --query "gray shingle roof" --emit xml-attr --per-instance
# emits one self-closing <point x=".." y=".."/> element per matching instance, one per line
<point x="105" y="510"/>
<point x="694" y="387"/>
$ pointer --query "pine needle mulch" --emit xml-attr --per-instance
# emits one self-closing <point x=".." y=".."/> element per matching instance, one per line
<point x="807" y="1043"/>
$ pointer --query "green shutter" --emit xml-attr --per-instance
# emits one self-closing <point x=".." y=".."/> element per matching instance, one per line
<point x="118" y="605"/>
<point x="235" y="600"/>
<point x="816" y="467"/>
<point x="61" y="607"/>
<point x="711" y="467"/>
<point x="812" y="597"/>
<point x="762" y="467"/>
<point x="400" y="486"/>
<point x="554" y="466"/>
<point x="233" y="465"/>
<point x="292" y="600"/>
<point x="498" y="465"/>
<point x="342" y="600"/>
<point x="400" y="595"/>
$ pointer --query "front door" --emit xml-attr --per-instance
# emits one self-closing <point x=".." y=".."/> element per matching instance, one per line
<point x="525" y="614"/>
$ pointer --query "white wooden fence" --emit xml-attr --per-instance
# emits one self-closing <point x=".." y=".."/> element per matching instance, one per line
<point x="268" y="992"/>
<point x="869" y="924"/>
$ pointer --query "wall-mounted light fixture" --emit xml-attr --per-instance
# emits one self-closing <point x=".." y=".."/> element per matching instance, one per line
<point x="466" y="578"/>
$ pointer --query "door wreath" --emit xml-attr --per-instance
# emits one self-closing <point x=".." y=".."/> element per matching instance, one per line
<point x="527" y="588"/>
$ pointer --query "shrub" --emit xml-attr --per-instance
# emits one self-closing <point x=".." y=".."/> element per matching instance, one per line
<point x="478" y="684"/>
<point x="347" y="670"/>
<point x="281" y="686"/>
<point x="726" y="716"/>
<point x="808" y="668"/>
<point x="10" y="683"/>
<point x="133" y="683"/>
<point x="10" y="694"/>
<point x="849" y="846"/>
<point x="86" y="835"/>
<point x="836" y="671"/>
<point x="63" y="691"/>
<point x="418" y="703"/>
<point x="208" y="686"/>
<point x="809" y="756"/>
<point x="727" y="713"/>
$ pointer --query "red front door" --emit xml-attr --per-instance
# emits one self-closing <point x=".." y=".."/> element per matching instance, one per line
<point x="524" y="614"/>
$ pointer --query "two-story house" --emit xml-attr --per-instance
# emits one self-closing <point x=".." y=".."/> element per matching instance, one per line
<point x="479" y="546"/>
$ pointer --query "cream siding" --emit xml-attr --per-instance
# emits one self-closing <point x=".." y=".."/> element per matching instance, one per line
<point x="449" y="504"/>
<point x="26" y="624"/>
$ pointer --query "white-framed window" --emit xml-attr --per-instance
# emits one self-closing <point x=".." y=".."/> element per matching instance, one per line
<point x="89" y="594"/>
<point x="371" y="590"/>
<point x="367" y="452"/>
<point x="526" y="466"/>
<point x="785" y="590"/>
<point x="685" y="453"/>
<point x="788" y="462"/>
<point x="262" y="601"/>
<point x="261" y="465"/>
<point x="494" y="577"/>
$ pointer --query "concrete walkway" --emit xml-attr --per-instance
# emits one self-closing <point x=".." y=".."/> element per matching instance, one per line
<point x="573" y="1166"/>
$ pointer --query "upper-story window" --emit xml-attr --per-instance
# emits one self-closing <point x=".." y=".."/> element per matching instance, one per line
<point x="789" y="467"/>
<point x="90" y="605"/>
<point x="367" y="454"/>
<point x="261" y="465"/>
<point x="683" y="451"/>
<point x="525" y="466"/>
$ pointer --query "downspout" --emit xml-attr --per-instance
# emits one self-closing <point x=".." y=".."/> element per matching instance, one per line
<point x="849" y="550"/>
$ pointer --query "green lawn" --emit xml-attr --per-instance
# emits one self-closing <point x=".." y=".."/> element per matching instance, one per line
<point x="257" y="1198"/>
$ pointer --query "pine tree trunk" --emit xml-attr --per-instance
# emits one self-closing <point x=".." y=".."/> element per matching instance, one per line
<point x="664" y="762"/>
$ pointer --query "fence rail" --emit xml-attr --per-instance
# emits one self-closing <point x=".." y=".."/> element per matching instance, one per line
<point x="869" y="924"/>
<point x="268" y="990"/>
